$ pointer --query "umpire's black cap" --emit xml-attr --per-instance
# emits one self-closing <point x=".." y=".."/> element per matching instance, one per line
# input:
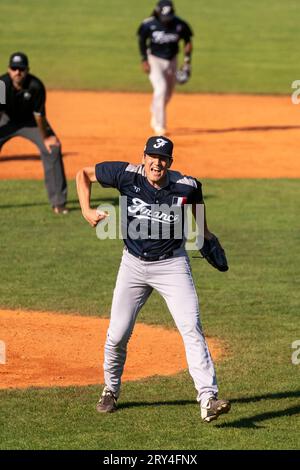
<point x="159" y="145"/>
<point x="18" y="59"/>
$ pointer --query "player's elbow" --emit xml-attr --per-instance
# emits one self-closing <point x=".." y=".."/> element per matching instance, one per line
<point x="86" y="174"/>
<point x="79" y="176"/>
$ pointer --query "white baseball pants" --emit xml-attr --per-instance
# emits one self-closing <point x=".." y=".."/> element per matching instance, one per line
<point x="172" y="278"/>
<point x="163" y="78"/>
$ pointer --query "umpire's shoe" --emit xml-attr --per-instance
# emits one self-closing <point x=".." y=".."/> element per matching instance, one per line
<point x="212" y="408"/>
<point x="60" y="209"/>
<point x="107" y="402"/>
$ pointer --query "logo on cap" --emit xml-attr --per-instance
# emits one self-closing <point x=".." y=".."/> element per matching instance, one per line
<point x="166" y="10"/>
<point x="17" y="58"/>
<point x="160" y="143"/>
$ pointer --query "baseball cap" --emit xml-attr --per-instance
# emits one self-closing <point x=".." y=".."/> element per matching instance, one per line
<point x="166" y="9"/>
<point x="159" y="145"/>
<point x="165" y="3"/>
<point x="18" y="59"/>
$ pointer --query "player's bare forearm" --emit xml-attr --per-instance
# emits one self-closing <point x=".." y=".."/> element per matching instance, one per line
<point x="84" y="180"/>
<point x="188" y="48"/>
<point x="42" y="125"/>
<point x="187" y="58"/>
<point x="146" y="66"/>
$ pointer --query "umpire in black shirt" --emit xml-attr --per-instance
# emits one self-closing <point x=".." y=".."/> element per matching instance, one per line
<point x="24" y="115"/>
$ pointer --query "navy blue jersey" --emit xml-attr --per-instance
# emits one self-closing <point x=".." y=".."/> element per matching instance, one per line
<point x="21" y="105"/>
<point x="155" y="214"/>
<point x="162" y="39"/>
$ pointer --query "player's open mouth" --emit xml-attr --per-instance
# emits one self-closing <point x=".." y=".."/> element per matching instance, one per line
<point x="156" y="171"/>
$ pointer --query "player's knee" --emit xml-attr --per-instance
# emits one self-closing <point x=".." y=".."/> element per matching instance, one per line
<point x="160" y="94"/>
<point x="117" y="340"/>
<point x="190" y="327"/>
<point x="56" y="151"/>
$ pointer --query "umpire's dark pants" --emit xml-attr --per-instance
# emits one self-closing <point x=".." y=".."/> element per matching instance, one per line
<point x="55" y="179"/>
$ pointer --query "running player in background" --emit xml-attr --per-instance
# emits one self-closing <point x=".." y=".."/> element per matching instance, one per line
<point x="159" y="37"/>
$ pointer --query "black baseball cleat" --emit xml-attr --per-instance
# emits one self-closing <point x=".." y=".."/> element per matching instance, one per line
<point x="213" y="408"/>
<point x="107" y="402"/>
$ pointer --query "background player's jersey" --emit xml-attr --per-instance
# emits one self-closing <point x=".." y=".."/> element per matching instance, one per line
<point x="162" y="39"/>
<point x="158" y="226"/>
<point x="22" y="104"/>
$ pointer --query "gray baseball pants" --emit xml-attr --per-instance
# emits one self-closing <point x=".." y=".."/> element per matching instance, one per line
<point x="172" y="278"/>
<point x="55" y="179"/>
<point x="163" y="78"/>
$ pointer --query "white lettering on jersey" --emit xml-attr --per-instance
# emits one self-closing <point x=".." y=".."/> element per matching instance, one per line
<point x="160" y="37"/>
<point x="145" y="212"/>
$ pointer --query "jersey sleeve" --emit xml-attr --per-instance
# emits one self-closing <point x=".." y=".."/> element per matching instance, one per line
<point x="186" y="32"/>
<point x="39" y="99"/>
<point x="197" y="195"/>
<point x="142" y="33"/>
<point x="110" y="174"/>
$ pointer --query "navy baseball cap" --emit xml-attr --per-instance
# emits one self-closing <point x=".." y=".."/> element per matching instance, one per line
<point x="165" y="9"/>
<point x="18" y="59"/>
<point x="165" y="3"/>
<point x="159" y="145"/>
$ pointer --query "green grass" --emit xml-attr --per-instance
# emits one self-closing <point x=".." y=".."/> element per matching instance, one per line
<point x="57" y="263"/>
<point x="243" y="46"/>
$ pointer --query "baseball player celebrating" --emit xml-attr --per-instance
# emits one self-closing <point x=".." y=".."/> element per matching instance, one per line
<point x="153" y="262"/>
<point x="24" y="115"/>
<point x="159" y="36"/>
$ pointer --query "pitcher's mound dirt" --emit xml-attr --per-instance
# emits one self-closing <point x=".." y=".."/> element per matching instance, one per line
<point x="49" y="349"/>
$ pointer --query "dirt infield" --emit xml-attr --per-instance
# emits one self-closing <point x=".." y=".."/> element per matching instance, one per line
<point x="49" y="349"/>
<point x="215" y="135"/>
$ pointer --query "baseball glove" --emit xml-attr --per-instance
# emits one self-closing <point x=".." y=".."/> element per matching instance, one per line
<point x="214" y="254"/>
<point x="183" y="74"/>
